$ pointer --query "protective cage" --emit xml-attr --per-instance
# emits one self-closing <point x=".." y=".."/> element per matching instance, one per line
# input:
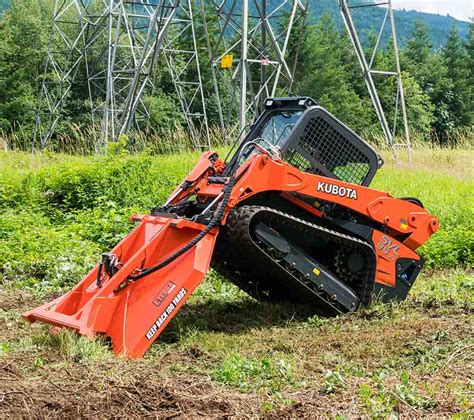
<point x="321" y="144"/>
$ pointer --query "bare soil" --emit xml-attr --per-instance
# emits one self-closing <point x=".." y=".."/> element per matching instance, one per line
<point x="41" y="381"/>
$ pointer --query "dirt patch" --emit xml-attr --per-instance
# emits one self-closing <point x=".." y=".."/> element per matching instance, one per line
<point x="89" y="391"/>
<point x="176" y="379"/>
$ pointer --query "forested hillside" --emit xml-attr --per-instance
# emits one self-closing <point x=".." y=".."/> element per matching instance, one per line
<point x="438" y="26"/>
<point x="369" y="19"/>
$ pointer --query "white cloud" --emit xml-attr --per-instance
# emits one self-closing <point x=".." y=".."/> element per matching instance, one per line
<point x="460" y="9"/>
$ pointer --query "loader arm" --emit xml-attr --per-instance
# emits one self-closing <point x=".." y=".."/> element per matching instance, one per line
<point x="399" y="217"/>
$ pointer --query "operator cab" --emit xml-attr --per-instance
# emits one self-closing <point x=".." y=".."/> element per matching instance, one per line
<point x="312" y="140"/>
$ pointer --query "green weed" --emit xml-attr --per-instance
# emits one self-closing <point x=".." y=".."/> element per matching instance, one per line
<point x="444" y="289"/>
<point x="333" y="381"/>
<point x="316" y="321"/>
<point x="376" y="403"/>
<point x="4" y="348"/>
<point x="450" y="199"/>
<point x="36" y="254"/>
<point x="411" y="396"/>
<point x="72" y="345"/>
<point x="250" y="373"/>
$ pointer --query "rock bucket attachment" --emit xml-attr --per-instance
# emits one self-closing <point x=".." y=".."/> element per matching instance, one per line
<point x="134" y="313"/>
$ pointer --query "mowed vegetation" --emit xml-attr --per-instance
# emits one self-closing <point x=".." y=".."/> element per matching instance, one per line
<point x="226" y="354"/>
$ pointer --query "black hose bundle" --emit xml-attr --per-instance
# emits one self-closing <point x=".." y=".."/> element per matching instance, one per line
<point x="219" y="214"/>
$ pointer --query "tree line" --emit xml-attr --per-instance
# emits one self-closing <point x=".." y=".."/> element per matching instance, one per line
<point x="438" y="82"/>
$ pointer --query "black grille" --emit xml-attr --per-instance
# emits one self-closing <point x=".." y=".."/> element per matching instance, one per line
<point x="332" y="150"/>
<point x="299" y="162"/>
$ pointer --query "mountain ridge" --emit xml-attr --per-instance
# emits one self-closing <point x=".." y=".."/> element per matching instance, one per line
<point x="369" y="20"/>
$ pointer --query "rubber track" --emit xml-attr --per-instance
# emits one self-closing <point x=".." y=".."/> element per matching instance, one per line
<point x="242" y="260"/>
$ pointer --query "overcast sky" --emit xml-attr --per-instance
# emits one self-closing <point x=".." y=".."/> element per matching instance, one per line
<point x="460" y="9"/>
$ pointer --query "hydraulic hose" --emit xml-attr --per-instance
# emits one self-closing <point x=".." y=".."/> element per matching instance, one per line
<point x="219" y="214"/>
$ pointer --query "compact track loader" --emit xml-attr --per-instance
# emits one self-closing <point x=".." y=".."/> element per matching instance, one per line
<point x="288" y="217"/>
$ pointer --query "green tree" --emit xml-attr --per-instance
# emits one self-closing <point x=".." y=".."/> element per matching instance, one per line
<point x="430" y="71"/>
<point x="322" y="74"/>
<point x="420" y="110"/>
<point x="23" y="35"/>
<point x="470" y="54"/>
<point x="418" y="103"/>
<point x="418" y="48"/>
<point x="456" y="58"/>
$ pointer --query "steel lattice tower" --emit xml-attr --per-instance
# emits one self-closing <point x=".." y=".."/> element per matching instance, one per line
<point x="136" y="31"/>
<point x="114" y="44"/>
<point x="185" y="70"/>
<point x="371" y="73"/>
<point x="252" y="35"/>
<point x="66" y="51"/>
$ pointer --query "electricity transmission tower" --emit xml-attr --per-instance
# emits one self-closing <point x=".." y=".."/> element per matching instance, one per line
<point x="251" y="53"/>
<point x="135" y="34"/>
<point x="185" y="71"/>
<point x="66" y="52"/>
<point x="114" y="45"/>
<point x="371" y="72"/>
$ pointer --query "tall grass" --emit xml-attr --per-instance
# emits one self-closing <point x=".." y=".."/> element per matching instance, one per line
<point x="88" y="140"/>
<point x="58" y="212"/>
<point x="461" y="138"/>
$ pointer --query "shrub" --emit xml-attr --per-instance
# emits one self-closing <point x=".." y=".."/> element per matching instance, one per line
<point x="36" y="254"/>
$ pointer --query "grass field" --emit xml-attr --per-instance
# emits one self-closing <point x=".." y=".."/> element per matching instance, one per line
<point x="225" y="354"/>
